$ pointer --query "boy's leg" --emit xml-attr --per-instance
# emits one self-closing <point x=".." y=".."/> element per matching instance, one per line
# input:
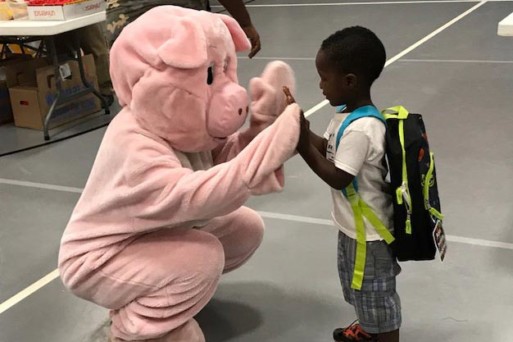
<point x="392" y="336"/>
<point x="377" y="304"/>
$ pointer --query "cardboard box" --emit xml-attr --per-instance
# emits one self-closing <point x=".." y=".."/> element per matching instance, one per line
<point x="19" y="9"/>
<point x="32" y="97"/>
<point x="10" y="71"/>
<point x="66" y="11"/>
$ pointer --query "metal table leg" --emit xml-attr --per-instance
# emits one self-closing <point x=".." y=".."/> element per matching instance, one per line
<point x="78" y="55"/>
<point x="50" y="45"/>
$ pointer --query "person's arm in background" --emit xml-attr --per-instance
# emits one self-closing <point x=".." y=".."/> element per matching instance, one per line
<point x="238" y="11"/>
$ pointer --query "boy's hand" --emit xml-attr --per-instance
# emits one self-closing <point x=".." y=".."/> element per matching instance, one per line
<point x="304" y="133"/>
<point x="288" y="96"/>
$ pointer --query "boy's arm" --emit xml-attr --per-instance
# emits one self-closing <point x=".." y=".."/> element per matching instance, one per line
<point x="319" y="142"/>
<point x="326" y="170"/>
<point x="313" y="150"/>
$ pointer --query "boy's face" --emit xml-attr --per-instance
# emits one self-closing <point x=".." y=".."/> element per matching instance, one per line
<point x="335" y="87"/>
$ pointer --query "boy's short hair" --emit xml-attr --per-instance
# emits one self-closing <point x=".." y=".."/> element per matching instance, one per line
<point x="356" y="50"/>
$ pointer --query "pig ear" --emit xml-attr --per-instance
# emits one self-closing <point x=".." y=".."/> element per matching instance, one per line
<point x="187" y="47"/>
<point x="238" y="36"/>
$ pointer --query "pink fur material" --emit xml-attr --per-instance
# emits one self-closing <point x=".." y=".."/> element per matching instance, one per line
<point x="161" y="216"/>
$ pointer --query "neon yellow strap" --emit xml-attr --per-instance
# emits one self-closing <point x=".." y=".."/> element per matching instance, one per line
<point x="436" y="214"/>
<point x="403" y="192"/>
<point x="380" y="228"/>
<point x="427" y="185"/>
<point x="361" y="248"/>
<point x="427" y="180"/>
<point x="397" y="112"/>
<point x="407" y="227"/>
<point x="361" y="210"/>
<point x="401" y="139"/>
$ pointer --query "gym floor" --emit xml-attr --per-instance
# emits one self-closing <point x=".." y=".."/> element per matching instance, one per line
<point x="445" y="62"/>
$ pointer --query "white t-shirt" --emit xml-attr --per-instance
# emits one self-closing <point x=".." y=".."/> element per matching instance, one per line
<point x="360" y="153"/>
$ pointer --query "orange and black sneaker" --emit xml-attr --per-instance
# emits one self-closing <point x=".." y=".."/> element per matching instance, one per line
<point x="353" y="333"/>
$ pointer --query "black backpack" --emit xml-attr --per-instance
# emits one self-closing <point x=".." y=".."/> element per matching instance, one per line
<point x="418" y="220"/>
<point x="417" y="212"/>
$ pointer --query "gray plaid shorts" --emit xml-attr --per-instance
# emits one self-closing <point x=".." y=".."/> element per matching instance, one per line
<point x="377" y="304"/>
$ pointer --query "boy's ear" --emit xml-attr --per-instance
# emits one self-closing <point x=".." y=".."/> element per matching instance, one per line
<point x="351" y="80"/>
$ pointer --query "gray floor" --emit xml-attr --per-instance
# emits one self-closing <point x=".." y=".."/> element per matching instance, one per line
<point x="460" y="79"/>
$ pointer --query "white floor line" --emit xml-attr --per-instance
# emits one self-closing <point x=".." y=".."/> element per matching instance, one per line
<point x="325" y="222"/>
<point x="435" y="32"/>
<point x="40" y="185"/>
<point x="366" y="3"/>
<point x="407" y="60"/>
<point x="480" y="242"/>
<point x="28" y="291"/>
<point x="285" y="58"/>
<point x="316" y="108"/>
<point x="296" y="218"/>
<point x="454" y="61"/>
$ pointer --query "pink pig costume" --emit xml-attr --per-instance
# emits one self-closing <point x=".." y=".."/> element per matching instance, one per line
<point x="161" y="216"/>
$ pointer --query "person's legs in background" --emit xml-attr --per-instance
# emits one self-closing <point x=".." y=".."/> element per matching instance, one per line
<point x="92" y="41"/>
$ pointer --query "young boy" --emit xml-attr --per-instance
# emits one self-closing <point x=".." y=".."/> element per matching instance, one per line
<point x="348" y="63"/>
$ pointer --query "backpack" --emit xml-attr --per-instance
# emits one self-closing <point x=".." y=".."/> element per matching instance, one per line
<point x="417" y="216"/>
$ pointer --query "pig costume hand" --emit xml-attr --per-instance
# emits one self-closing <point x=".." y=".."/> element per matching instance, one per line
<point x="161" y="216"/>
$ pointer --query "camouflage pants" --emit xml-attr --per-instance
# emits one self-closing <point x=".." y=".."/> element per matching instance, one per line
<point x="92" y="41"/>
<point x="122" y="12"/>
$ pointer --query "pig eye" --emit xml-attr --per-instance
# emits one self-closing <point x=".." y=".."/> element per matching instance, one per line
<point x="210" y="75"/>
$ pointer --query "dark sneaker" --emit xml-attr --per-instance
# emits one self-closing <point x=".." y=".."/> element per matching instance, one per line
<point x="353" y="333"/>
